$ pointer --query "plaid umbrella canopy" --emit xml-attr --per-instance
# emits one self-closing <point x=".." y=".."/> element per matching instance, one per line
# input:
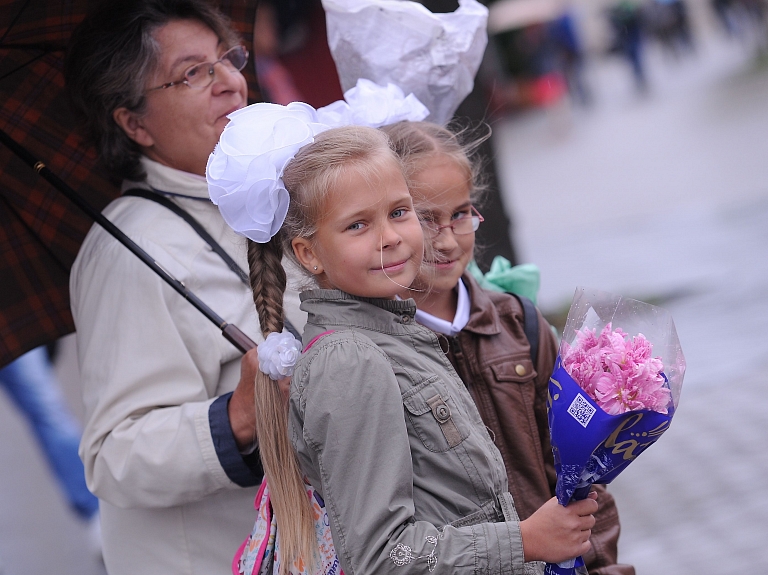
<point x="40" y="229"/>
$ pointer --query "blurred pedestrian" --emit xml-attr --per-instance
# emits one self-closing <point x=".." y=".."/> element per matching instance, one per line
<point x="31" y="383"/>
<point x="275" y="80"/>
<point x="625" y="19"/>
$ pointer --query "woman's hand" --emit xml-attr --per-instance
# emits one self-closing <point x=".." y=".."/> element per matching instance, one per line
<point x="242" y="409"/>
<point x="555" y="533"/>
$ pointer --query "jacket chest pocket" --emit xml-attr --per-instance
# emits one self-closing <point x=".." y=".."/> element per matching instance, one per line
<point x="434" y="417"/>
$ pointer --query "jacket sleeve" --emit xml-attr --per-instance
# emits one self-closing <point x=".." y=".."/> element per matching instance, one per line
<point x="348" y="426"/>
<point x="601" y="558"/>
<point x="151" y="368"/>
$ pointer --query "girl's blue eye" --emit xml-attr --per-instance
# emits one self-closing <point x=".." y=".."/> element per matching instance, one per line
<point x="356" y="226"/>
<point x="399" y="213"/>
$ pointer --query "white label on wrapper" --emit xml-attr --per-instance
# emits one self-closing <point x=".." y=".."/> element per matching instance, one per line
<point x="581" y="410"/>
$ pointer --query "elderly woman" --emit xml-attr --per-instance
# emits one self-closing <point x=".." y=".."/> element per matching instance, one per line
<point x="169" y="432"/>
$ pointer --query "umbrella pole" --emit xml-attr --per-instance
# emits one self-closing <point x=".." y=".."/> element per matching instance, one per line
<point x="230" y="331"/>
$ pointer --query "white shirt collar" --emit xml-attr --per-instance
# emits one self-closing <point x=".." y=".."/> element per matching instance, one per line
<point x="460" y="320"/>
<point x="166" y="179"/>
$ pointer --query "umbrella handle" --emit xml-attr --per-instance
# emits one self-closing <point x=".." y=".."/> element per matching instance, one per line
<point x="229" y="331"/>
<point x="237" y="337"/>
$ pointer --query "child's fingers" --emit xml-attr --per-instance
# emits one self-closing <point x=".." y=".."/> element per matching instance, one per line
<point x="584" y="507"/>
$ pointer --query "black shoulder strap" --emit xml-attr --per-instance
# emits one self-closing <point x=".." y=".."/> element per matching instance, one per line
<point x="165" y="202"/>
<point x="197" y="226"/>
<point x="530" y="325"/>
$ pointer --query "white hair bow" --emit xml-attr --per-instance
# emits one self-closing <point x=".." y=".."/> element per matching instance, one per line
<point x="245" y="170"/>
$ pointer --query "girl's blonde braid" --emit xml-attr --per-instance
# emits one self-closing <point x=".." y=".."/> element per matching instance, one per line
<point x="286" y="484"/>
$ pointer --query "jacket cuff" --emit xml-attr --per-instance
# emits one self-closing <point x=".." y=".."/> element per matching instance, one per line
<point x="244" y="470"/>
<point x="495" y="545"/>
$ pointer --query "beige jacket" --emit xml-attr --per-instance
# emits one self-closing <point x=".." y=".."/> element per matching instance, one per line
<point x="156" y="446"/>
<point x="389" y="436"/>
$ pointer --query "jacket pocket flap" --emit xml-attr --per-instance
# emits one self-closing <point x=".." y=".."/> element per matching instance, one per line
<point x="517" y="370"/>
<point x="415" y="399"/>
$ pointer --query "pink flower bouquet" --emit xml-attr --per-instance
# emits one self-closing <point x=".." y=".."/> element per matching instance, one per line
<point x="613" y="392"/>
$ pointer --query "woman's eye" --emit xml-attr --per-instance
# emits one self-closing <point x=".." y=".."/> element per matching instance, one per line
<point x="192" y="72"/>
<point x="460" y="215"/>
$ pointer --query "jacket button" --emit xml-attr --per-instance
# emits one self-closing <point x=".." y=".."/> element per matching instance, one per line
<point x="406" y="319"/>
<point x="442" y="413"/>
<point x="520" y="369"/>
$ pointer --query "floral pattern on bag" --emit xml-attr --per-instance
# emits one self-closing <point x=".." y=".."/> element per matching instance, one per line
<point x="260" y="552"/>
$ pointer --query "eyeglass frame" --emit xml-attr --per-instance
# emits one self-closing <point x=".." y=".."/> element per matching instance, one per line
<point x="211" y="71"/>
<point x="435" y="229"/>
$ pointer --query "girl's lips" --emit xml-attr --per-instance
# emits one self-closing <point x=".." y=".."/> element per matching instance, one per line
<point x="392" y="268"/>
<point x="443" y="265"/>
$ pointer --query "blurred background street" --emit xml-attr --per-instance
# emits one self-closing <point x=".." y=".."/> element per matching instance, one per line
<point x="655" y="188"/>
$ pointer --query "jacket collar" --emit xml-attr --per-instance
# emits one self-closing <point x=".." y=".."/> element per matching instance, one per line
<point x="166" y="179"/>
<point x="383" y="315"/>
<point x="483" y="316"/>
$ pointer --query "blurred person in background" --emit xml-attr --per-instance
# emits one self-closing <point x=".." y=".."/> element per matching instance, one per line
<point x="275" y="80"/>
<point x="169" y="438"/>
<point x="32" y="385"/>
<point x="626" y="20"/>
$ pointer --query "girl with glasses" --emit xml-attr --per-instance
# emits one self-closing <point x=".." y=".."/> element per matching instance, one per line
<point x="483" y="333"/>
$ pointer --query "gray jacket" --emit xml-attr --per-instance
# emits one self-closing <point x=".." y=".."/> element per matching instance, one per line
<point x="389" y="436"/>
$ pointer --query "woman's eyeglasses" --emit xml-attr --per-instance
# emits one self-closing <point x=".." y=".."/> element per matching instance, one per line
<point x="464" y="224"/>
<point x="201" y="75"/>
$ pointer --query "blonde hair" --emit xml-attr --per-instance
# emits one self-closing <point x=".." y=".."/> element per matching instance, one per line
<point x="310" y="179"/>
<point x="416" y="143"/>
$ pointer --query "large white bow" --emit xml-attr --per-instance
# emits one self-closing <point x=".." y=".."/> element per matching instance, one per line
<point x="245" y="170"/>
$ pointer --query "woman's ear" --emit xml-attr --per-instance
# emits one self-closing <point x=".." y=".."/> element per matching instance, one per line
<point x="305" y="253"/>
<point x="131" y="124"/>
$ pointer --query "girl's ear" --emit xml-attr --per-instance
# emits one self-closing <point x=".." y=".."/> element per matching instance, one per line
<point x="304" y="252"/>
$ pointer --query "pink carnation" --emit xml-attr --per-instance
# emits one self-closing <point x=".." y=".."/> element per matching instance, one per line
<point x="619" y="374"/>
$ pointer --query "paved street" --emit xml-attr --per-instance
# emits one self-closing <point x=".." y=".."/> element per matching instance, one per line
<point x="662" y="197"/>
<point x="665" y="197"/>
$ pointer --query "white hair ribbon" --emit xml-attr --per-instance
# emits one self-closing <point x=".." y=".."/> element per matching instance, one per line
<point x="245" y="170"/>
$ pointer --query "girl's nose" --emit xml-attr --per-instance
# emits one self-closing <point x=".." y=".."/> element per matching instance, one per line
<point x="445" y="241"/>
<point x="389" y="236"/>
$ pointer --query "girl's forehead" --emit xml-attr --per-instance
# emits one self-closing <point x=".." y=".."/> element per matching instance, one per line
<point x="442" y="180"/>
<point x="370" y="183"/>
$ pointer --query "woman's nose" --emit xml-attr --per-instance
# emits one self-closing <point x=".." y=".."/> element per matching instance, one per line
<point x="225" y="79"/>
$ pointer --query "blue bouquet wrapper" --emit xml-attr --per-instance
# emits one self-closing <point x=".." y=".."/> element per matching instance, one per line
<point x="589" y="445"/>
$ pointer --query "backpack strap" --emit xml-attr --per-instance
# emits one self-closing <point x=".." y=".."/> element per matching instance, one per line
<point x="530" y="325"/>
<point x="314" y="339"/>
<point x="207" y="238"/>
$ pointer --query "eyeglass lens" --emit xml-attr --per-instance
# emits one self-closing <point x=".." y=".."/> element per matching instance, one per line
<point x="201" y="75"/>
<point x="460" y="226"/>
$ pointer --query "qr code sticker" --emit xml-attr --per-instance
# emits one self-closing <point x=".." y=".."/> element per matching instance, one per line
<point x="581" y="410"/>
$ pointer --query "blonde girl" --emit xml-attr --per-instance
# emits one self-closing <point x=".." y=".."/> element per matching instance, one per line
<point x="378" y="422"/>
<point x="484" y="333"/>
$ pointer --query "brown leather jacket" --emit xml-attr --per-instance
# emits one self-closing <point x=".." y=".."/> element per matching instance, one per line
<point x="492" y="357"/>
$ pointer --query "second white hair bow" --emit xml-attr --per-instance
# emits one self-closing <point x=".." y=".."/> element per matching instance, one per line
<point x="245" y="170"/>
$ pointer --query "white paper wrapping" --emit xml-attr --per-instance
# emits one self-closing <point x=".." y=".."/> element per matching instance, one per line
<point x="433" y="56"/>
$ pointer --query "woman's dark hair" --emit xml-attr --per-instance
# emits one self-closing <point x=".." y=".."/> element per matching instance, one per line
<point x="110" y="56"/>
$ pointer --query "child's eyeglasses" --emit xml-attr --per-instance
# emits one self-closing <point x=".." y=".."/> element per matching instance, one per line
<point x="201" y="75"/>
<point x="465" y="224"/>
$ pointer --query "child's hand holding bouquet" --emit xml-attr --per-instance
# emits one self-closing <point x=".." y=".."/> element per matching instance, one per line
<point x="614" y="391"/>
